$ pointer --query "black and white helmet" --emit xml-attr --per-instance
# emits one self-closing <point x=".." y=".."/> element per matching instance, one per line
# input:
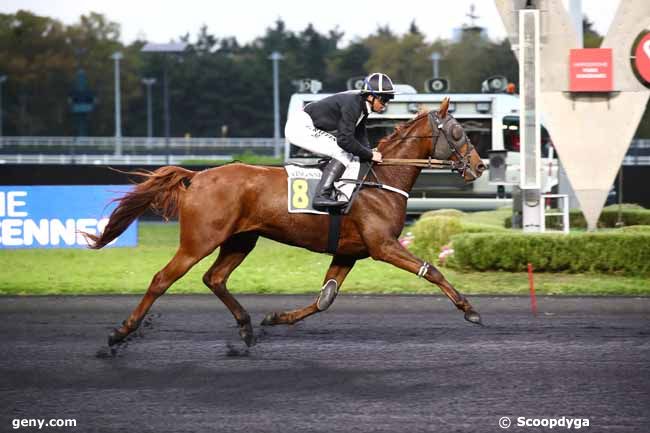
<point x="378" y="84"/>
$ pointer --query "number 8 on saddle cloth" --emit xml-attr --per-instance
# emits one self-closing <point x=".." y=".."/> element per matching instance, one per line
<point x="303" y="182"/>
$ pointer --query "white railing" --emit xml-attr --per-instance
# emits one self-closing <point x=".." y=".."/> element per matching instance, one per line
<point x="130" y="150"/>
<point x="109" y="159"/>
<point x="153" y="142"/>
<point x="140" y="150"/>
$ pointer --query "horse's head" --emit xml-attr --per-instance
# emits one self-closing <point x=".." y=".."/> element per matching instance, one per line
<point x="451" y="143"/>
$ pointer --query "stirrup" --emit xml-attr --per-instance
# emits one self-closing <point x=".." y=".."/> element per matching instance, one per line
<point x="324" y="202"/>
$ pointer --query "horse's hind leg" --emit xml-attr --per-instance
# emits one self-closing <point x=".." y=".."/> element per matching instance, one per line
<point x="338" y="270"/>
<point x="231" y="254"/>
<point x="175" y="269"/>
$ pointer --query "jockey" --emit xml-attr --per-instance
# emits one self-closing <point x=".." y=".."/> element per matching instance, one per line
<point x="336" y="126"/>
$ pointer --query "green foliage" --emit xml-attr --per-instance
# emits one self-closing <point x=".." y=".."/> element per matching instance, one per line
<point x="631" y="215"/>
<point x="251" y="158"/>
<point x="635" y="229"/>
<point x="606" y="252"/>
<point x="496" y="218"/>
<point x="406" y="59"/>
<point x="431" y="233"/>
<point x="481" y="243"/>
<point x="591" y="38"/>
<point x="442" y="212"/>
<point x="473" y="59"/>
<point x="216" y="82"/>
<point x="246" y="157"/>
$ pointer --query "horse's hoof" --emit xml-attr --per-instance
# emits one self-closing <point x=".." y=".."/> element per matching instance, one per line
<point x="473" y="317"/>
<point x="115" y="336"/>
<point x="246" y="334"/>
<point x="270" y="319"/>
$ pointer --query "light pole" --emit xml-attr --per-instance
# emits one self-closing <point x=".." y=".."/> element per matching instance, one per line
<point x="3" y="78"/>
<point x="149" y="82"/>
<point x="172" y="47"/>
<point x="575" y="10"/>
<point x="275" y="57"/>
<point x="117" y="56"/>
<point x="435" y="58"/>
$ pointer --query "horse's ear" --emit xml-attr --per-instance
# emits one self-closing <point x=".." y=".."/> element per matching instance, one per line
<point x="444" y="106"/>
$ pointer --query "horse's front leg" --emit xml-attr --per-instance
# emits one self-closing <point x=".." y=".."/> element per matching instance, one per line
<point x="338" y="270"/>
<point x="391" y="251"/>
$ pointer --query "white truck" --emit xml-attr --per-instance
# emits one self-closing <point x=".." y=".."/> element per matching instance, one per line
<point x="491" y="120"/>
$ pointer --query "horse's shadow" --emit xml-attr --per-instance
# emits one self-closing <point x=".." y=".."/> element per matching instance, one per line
<point x="232" y="349"/>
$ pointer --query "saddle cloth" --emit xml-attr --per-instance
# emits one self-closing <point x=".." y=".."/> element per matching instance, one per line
<point x="303" y="181"/>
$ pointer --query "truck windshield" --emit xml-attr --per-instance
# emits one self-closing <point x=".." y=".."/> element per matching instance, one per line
<point x="511" y="136"/>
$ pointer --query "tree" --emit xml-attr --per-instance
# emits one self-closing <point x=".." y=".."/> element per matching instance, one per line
<point x="33" y="55"/>
<point x="217" y="81"/>
<point x="346" y="63"/>
<point x="95" y="39"/>
<point x="590" y="37"/>
<point x="405" y="59"/>
<point x="41" y="55"/>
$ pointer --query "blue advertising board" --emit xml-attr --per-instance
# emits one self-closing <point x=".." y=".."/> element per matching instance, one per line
<point x="54" y="216"/>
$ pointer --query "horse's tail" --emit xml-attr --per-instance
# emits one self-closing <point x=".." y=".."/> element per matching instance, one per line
<point x="160" y="190"/>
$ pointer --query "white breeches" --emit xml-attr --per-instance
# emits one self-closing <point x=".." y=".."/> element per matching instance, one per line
<point x="300" y="131"/>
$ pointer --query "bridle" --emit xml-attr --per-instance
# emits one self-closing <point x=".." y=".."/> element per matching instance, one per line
<point x="462" y="165"/>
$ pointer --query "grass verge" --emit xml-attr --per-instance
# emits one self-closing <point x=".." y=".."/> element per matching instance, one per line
<point x="246" y="157"/>
<point x="270" y="268"/>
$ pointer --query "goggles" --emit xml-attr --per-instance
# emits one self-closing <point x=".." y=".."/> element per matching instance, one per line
<point x="385" y="98"/>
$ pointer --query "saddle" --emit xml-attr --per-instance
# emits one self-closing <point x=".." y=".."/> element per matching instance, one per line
<point x="303" y="181"/>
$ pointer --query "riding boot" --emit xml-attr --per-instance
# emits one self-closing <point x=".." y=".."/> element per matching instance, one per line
<point x="325" y="191"/>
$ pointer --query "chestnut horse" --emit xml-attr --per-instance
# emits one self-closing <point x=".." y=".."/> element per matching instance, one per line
<point x="233" y="205"/>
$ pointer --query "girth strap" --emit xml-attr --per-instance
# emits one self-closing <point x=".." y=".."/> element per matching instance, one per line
<point x="334" y="232"/>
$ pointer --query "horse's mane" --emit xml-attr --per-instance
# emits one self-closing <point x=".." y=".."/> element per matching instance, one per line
<point x="402" y="126"/>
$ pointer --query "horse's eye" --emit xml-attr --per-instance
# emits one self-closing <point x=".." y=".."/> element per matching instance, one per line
<point x="457" y="132"/>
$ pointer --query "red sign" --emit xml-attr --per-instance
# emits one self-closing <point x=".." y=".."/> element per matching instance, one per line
<point x="642" y="58"/>
<point x="590" y="70"/>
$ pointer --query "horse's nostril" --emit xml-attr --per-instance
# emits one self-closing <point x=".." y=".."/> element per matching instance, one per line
<point x="480" y="168"/>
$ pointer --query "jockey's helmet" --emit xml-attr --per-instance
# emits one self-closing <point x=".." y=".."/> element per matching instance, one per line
<point x="378" y="84"/>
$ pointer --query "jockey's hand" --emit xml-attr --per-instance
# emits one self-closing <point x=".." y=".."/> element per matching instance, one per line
<point x="376" y="156"/>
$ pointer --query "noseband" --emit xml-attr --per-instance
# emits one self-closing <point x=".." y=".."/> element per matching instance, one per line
<point x="463" y="164"/>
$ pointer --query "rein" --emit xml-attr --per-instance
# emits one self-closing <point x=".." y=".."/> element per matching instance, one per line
<point x="461" y="165"/>
<point x="425" y="163"/>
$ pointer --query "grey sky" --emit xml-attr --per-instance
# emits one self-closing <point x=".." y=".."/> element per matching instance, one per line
<point x="163" y="20"/>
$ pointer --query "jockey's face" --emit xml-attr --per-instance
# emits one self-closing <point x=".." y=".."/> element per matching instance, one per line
<point x="377" y="105"/>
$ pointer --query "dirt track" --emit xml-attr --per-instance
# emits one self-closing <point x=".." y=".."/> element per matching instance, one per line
<point x="380" y="364"/>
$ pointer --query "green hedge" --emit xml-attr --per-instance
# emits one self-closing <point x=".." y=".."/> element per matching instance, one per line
<point x="442" y="212"/>
<point x="631" y="214"/>
<point x="636" y="229"/>
<point x="432" y="233"/>
<point x="615" y="251"/>
<point x="247" y="157"/>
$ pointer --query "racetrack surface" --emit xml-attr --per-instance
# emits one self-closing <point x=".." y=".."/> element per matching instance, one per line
<point x="369" y="364"/>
